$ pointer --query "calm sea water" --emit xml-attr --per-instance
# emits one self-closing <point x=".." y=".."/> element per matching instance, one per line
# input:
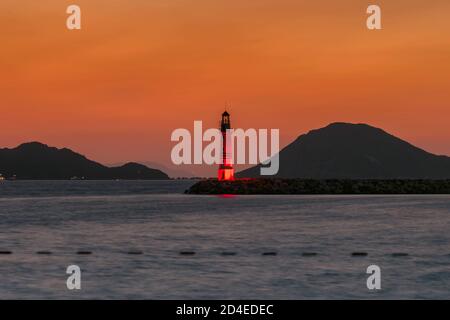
<point x="113" y="218"/>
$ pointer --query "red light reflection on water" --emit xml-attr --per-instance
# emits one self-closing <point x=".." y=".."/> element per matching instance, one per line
<point x="227" y="196"/>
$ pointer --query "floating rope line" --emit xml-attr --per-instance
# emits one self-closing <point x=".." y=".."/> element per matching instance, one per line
<point x="223" y="253"/>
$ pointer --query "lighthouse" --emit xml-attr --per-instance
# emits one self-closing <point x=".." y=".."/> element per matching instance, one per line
<point x="226" y="171"/>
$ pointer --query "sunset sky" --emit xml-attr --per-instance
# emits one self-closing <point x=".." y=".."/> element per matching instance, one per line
<point x="115" y="90"/>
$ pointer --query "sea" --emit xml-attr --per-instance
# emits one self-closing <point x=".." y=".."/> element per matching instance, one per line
<point x="149" y="240"/>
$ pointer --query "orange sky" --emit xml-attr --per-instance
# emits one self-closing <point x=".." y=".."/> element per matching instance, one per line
<point x="139" y="69"/>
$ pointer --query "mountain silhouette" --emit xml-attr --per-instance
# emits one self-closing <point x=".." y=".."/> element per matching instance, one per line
<point x="172" y="170"/>
<point x="35" y="160"/>
<point x="355" y="151"/>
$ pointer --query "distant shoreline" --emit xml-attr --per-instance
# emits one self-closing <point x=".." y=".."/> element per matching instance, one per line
<point x="326" y="186"/>
<point x="56" y="179"/>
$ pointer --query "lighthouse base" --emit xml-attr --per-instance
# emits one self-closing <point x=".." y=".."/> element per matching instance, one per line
<point x="225" y="174"/>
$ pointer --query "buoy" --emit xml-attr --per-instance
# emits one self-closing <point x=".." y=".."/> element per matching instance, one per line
<point x="84" y="252"/>
<point x="187" y="253"/>
<point x="135" y="252"/>
<point x="309" y="254"/>
<point x="400" y="254"/>
<point x="359" y="254"/>
<point x="44" y="252"/>
<point x="228" y="253"/>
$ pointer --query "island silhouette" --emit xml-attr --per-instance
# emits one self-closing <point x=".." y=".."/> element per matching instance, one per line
<point x="355" y="151"/>
<point x="38" y="161"/>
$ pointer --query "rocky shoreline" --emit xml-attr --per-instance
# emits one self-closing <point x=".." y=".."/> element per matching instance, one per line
<point x="310" y="186"/>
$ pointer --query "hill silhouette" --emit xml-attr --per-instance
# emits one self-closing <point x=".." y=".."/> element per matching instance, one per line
<point x="36" y="160"/>
<point x="355" y="151"/>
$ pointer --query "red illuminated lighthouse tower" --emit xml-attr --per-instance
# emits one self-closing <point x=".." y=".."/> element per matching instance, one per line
<point x="226" y="171"/>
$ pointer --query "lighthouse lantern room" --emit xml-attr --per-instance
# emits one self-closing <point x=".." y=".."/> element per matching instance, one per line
<point x="226" y="171"/>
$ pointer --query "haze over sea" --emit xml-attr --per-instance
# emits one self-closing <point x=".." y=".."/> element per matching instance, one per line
<point x="136" y="230"/>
